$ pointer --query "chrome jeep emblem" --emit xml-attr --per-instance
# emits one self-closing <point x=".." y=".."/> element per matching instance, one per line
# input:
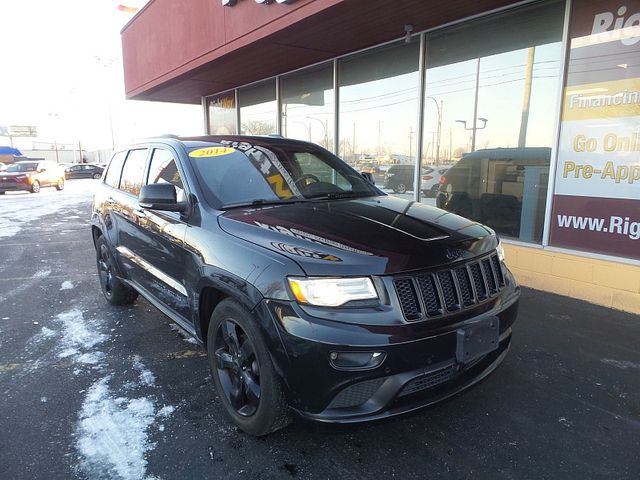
<point x="454" y="253"/>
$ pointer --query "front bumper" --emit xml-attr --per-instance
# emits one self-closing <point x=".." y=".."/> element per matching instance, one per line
<point x="14" y="187"/>
<point x="420" y="367"/>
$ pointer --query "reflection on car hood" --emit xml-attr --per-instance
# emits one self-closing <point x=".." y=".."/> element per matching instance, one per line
<point x="367" y="236"/>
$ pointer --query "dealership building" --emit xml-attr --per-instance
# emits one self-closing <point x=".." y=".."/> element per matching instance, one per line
<point x="535" y="103"/>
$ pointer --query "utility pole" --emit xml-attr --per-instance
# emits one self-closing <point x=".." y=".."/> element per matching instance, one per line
<point x="475" y="108"/>
<point x="410" y="142"/>
<point x="522" y="138"/>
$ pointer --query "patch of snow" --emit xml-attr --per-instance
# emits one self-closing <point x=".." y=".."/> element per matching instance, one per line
<point x="112" y="434"/>
<point x="166" y="411"/>
<point x="43" y="399"/>
<point x="42" y="274"/>
<point x="17" y="211"/>
<point x="66" y="285"/>
<point x="624" y="364"/>
<point x="68" y="352"/>
<point x="146" y="377"/>
<point x="75" y="333"/>
<point x="91" y="358"/>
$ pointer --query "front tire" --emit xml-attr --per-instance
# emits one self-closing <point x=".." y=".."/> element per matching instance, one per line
<point x="97" y="175"/>
<point x="60" y="184"/>
<point x="35" y="187"/>
<point x="113" y="289"/>
<point x="242" y="371"/>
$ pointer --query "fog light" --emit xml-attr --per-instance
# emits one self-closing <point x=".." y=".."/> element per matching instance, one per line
<point x="356" y="360"/>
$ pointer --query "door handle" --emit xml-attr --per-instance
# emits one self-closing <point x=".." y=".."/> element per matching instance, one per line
<point x="139" y="213"/>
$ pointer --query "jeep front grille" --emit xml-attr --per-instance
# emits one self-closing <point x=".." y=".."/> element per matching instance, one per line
<point x="433" y="294"/>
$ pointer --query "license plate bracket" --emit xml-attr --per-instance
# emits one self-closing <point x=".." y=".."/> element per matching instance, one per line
<point x="476" y="339"/>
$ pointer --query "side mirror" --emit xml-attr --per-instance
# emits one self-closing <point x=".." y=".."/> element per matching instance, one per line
<point x="368" y="177"/>
<point x="160" y="196"/>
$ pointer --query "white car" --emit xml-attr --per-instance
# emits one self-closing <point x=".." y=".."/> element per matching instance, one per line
<point x="430" y="180"/>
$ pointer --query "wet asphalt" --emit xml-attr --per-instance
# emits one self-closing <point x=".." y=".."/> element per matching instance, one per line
<point x="564" y="404"/>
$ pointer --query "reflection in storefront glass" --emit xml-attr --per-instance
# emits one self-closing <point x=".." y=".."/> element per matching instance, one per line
<point x="379" y="106"/>
<point x="258" y="109"/>
<point x="307" y="105"/>
<point x="491" y="85"/>
<point x="222" y="114"/>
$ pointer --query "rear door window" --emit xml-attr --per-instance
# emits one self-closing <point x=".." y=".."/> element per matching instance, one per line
<point x="133" y="171"/>
<point x="115" y="169"/>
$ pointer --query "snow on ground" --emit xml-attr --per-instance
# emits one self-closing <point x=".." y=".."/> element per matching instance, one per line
<point x="116" y="417"/>
<point x="66" y="285"/>
<point x="78" y="334"/>
<point x="19" y="208"/>
<point x="113" y="433"/>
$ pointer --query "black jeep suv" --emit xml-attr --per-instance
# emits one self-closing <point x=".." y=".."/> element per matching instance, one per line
<point x="312" y="290"/>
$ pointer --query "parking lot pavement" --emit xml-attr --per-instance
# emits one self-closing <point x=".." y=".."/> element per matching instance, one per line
<point x="93" y="391"/>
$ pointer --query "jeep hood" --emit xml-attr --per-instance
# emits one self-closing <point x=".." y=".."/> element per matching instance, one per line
<point x="366" y="236"/>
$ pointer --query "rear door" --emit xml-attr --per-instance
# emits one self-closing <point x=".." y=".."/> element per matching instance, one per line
<point x="160" y="239"/>
<point x="124" y="205"/>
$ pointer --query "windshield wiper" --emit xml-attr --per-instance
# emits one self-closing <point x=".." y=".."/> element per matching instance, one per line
<point x="260" y="202"/>
<point x="338" y="195"/>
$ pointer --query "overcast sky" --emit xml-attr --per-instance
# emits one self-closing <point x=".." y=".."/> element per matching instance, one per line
<point x="62" y="72"/>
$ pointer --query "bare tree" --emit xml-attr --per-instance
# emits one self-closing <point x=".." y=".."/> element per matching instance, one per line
<point x="258" y="127"/>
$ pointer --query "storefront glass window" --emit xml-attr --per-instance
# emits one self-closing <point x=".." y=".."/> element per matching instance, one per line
<point x="379" y="108"/>
<point x="491" y="94"/>
<point x="222" y="114"/>
<point x="307" y="105"/>
<point x="258" y="109"/>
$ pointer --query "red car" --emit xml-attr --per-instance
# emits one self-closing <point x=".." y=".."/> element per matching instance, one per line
<point x="31" y="176"/>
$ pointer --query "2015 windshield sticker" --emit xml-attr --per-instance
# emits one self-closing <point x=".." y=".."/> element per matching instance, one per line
<point x="211" y="152"/>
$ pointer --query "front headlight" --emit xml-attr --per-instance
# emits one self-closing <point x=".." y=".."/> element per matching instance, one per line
<point x="332" y="292"/>
<point x="500" y="252"/>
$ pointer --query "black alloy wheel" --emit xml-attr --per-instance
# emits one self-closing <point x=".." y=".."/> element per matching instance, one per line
<point x="114" y="290"/>
<point x="105" y="271"/>
<point x="242" y="369"/>
<point x="238" y="368"/>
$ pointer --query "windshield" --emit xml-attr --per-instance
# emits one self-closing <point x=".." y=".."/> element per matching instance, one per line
<point x="22" y="167"/>
<point x="239" y="173"/>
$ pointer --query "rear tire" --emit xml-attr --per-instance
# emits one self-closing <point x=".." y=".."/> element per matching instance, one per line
<point x="114" y="290"/>
<point x="400" y="188"/>
<point x="244" y="376"/>
<point x="35" y="187"/>
<point x="97" y="175"/>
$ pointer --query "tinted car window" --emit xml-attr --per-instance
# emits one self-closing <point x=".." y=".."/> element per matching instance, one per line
<point x="115" y="169"/>
<point x="163" y="169"/>
<point x="22" y="167"/>
<point x="277" y="173"/>
<point x="133" y="171"/>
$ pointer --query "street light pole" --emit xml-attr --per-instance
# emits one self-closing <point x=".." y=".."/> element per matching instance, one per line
<point x="324" y="128"/>
<point x="474" y="129"/>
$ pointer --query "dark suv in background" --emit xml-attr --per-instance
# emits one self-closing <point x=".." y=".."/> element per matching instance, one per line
<point x="312" y="291"/>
